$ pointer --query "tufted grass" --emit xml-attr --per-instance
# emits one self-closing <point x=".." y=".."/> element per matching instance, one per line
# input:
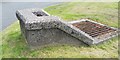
<point x="14" y="45"/>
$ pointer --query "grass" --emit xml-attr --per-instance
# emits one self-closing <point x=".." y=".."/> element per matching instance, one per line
<point x="106" y="13"/>
<point x="13" y="44"/>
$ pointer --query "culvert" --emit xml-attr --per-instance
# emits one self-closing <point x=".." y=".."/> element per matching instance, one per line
<point x="40" y="28"/>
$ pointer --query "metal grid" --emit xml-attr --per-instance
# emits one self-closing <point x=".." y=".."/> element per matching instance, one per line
<point x="93" y="29"/>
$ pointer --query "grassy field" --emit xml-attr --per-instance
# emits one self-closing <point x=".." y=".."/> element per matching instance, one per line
<point x="13" y="44"/>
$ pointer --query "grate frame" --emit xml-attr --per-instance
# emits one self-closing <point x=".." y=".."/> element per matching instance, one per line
<point x="96" y="38"/>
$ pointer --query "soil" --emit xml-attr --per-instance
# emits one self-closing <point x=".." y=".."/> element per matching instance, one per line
<point x="93" y="29"/>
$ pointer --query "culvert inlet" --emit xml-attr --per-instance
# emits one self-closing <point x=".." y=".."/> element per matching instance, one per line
<point x="49" y="29"/>
<point x="93" y="29"/>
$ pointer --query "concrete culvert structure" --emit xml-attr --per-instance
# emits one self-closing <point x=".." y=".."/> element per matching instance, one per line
<point x="40" y="29"/>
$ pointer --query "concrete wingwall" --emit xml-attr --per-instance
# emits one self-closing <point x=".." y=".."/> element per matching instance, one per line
<point x="50" y="37"/>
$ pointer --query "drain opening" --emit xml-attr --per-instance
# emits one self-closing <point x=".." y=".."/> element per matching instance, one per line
<point x="93" y="29"/>
<point x="39" y="13"/>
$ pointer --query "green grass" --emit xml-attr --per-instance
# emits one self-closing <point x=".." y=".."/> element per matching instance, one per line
<point x="106" y="13"/>
<point x="13" y="44"/>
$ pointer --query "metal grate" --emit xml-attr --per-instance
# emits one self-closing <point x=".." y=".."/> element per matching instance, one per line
<point x="93" y="29"/>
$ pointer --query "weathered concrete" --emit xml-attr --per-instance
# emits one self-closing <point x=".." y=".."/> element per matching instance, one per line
<point x="51" y="36"/>
<point x="39" y="29"/>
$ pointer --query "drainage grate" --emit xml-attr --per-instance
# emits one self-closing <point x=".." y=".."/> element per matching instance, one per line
<point x="93" y="29"/>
